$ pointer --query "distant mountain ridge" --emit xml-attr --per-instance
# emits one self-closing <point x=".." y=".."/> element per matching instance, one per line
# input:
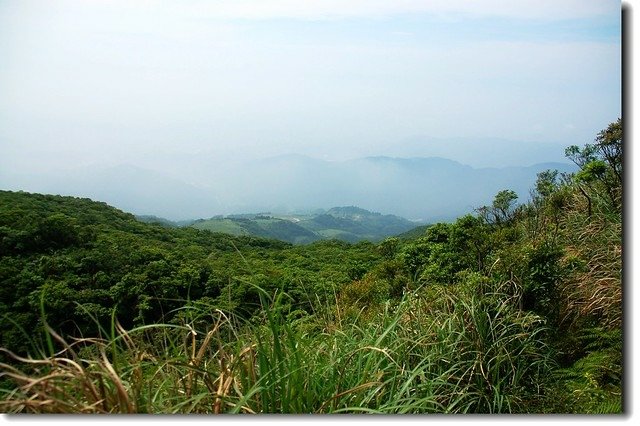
<point x="430" y="189"/>
<point x="351" y="224"/>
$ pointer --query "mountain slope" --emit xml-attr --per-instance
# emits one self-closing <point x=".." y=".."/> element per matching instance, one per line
<point x="349" y="224"/>
<point x="260" y="226"/>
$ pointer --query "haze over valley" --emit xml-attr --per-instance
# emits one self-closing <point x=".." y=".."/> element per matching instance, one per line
<point x="420" y="189"/>
<point x="415" y="109"/>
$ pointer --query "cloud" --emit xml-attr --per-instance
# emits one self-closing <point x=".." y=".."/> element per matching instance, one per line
<point x="336" y="9"/>
<point x="104" y="78"/>
<point x="372" y="9"/>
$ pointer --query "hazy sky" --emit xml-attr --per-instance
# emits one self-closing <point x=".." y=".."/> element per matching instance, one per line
<point x="114" y="81"/>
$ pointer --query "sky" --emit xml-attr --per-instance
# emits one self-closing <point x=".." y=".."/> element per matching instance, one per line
<point x="100" y="82"/>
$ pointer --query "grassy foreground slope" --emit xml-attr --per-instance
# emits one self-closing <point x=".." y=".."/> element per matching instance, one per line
<point x="516" y="309"/>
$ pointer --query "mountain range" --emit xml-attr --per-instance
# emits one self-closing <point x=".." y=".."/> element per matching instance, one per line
<point x="424" y="189"/>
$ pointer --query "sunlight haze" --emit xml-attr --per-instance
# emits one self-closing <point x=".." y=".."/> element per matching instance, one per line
<point x="159" y="85"/>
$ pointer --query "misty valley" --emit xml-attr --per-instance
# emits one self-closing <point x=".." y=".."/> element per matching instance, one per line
<point x="424" y="189"/>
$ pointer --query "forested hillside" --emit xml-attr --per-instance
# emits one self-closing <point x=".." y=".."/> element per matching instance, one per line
<point x="78" y="260"/>
<point x="516" y="308"/>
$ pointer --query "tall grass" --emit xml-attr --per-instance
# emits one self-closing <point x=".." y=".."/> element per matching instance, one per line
<point x="586" y="224"/>
<point x="436" y="351"/>
<point x="594" y="292"/>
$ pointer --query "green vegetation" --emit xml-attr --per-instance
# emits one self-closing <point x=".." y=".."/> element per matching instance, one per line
<point x="351" y="224"/>
<point x="514" y="309"/>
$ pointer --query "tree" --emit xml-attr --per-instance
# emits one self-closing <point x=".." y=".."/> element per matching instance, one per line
<point x="503" y="202"/>
<point x="546" y="183"/>
<point x="600" y="166"/>
<point x="470" y="239"/>
<point x="388" y="247"/>
<point x="609" y="145"/>
<point x="501" y="210"/>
